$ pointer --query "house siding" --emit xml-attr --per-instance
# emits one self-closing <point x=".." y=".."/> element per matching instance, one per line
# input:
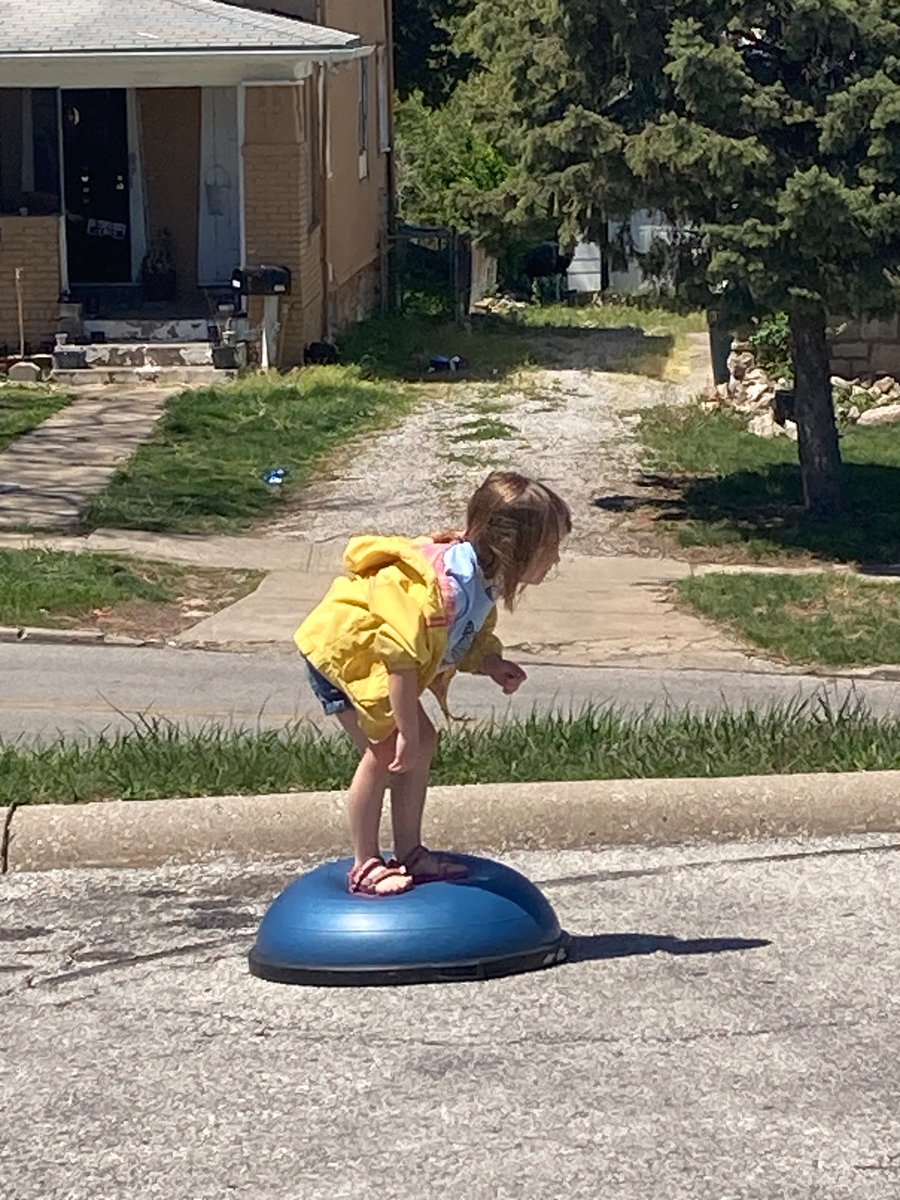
<point x="31" y="243"/>
<point x="278" y="212"/>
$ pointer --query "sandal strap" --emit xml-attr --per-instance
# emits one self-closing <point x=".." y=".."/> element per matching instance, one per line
<point x="363" y="873"/>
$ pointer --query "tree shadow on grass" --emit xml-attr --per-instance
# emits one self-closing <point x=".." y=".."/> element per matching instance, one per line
<point x="765" y="507"/>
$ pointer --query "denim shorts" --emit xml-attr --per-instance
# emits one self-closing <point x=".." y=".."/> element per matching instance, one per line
<point x="333" y="700"/>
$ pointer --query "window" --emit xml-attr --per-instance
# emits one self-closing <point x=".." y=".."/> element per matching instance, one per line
<point x="29" y="151"/>
<point x="384" y="107"/>
<point x="363" y="118"/>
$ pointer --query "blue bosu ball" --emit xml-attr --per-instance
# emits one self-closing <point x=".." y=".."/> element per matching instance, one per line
<point x="493" y="922"/>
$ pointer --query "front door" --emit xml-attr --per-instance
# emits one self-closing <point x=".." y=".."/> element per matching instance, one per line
<point x="95" y="152"/>
<point x="219" y="250"/>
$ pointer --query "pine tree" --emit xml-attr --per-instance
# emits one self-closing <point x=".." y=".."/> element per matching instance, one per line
<point x="768" y="129"/>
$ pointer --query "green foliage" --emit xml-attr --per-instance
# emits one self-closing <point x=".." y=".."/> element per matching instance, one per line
<point x="425" y="59"/>
<point x="158" y="760"/>
<point x="771" y="341"/>
<point x="444" y="166"/>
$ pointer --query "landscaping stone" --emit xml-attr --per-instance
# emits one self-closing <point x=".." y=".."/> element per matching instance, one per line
<point x="24" y="372"/>
<point x="883" y="414"/>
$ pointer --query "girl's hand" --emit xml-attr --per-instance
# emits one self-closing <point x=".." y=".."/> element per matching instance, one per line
<point x="406" y="751"/>
<point x="507" y="675"/>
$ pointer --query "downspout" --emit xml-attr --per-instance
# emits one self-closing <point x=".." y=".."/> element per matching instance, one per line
<point x="322" y="83"/>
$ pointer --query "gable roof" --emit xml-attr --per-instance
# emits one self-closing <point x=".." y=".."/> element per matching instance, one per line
<point x="76" y="27"/>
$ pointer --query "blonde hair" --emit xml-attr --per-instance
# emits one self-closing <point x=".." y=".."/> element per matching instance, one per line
<point x="514" y="522"/>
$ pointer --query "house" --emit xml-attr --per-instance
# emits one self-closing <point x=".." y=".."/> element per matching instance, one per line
<point x="148" y="149"/>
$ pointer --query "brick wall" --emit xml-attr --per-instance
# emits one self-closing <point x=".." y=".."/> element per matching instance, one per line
<point x="33" y="244"/>
<point x="276" y="172"/>
<point x="866" y="348"/>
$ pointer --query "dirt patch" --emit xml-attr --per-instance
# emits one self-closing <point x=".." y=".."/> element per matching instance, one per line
<point x="199" y="594"/>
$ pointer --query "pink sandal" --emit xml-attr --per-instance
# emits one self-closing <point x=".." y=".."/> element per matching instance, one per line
<point x="364" y="879"/>
<point x="447" y="871"/>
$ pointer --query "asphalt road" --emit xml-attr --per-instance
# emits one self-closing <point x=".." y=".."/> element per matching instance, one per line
<point x="728" y="1032"/>
<point x="77" y="690"/>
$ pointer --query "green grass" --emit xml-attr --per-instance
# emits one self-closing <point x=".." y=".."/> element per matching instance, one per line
<point x="400" y="346"/>
<point x="157" y="760"/>
<point x="730" y="489"/>
<point x="615" y="314"/>
<point x="204" y="469"/>
<point x="49" y="588"/>
<point x="39" y="586"/>
<point x="23" y="407"/>
<point x="832" y="620"/>
<point x="483" y="429"/>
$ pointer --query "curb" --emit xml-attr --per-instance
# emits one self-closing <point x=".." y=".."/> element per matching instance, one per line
<point x="71" y="637"/>
<point x="496" y="817"/>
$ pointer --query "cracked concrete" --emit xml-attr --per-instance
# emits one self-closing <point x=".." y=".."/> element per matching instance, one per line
<point x="726" y="1031"/>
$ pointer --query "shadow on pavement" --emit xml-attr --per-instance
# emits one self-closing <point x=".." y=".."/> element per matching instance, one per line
<point x="623" y="945"/>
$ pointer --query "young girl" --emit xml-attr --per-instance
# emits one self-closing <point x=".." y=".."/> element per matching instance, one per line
<point x="409" y="616"/>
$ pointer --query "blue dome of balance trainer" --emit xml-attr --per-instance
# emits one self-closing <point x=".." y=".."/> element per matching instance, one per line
<point x="493" y="922"/>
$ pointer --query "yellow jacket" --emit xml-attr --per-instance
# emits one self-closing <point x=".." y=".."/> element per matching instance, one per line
<point x="389" y="615"/>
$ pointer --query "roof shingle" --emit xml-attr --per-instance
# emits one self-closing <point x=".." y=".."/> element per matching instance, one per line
<point x="128" y="26"/>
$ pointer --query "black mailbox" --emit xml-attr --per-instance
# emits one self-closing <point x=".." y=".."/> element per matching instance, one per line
<point x="262" y="281"/>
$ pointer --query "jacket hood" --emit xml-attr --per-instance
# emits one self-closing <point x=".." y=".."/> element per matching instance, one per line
<point x="368" y="554"/>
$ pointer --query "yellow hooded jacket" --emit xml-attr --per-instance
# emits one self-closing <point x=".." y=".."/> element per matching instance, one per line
<point x="387" y="615"/>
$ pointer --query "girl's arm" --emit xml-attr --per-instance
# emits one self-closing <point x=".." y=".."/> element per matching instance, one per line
<point x="403" y="687"/>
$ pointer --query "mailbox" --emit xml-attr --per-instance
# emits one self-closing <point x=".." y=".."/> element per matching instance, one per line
<point x="262" y="281"/>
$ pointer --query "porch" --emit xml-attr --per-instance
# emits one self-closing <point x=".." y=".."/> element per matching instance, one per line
<point x="132" y="185"/>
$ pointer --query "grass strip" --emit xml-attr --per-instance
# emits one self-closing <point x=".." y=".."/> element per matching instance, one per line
<point x="205" y="468"/>
<point x="835" y="620"/>
<point x="24" y="408"/>
<point x="733" y="489"/>
<point x="156" y="760"/>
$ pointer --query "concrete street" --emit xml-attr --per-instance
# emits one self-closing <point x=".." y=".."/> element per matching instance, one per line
<point x="729" y="1033"/>
<point x="46" y="689"/>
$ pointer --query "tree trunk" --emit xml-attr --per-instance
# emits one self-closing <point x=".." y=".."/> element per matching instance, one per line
<point x="817" y="437"/>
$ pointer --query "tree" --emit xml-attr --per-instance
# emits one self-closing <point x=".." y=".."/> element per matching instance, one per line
<point x="768" y="131"/>
<point x="425" y="60"/>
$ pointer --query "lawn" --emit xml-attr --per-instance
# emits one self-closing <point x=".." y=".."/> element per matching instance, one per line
<point x="60" y="589"/>
<point x="724" y="488"/>
<point x="204" y="470"/>
<point x="158" y="760"/>
<point x="617" y="337"/>
<point x="22" y="408"/>
<point x="828" y="619"/>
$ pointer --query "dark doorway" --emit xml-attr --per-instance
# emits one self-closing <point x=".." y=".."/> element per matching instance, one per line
<point x="95" y="153"/>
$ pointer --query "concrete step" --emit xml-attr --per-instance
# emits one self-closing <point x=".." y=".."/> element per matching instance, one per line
<point x="199" y="376"/>
<point x="149" y="354"/>
<point x="153" y="329"/>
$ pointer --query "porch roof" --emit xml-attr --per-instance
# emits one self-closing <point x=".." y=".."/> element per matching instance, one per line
<point x="142" y="43"/>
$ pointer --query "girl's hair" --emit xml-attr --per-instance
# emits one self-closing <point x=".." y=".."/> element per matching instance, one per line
<point x="514" y="522"/>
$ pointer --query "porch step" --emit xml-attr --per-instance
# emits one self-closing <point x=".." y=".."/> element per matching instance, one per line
<point x="154" y="329"/>
<point x="200" y="376"/>
<point x="149" y="354"/>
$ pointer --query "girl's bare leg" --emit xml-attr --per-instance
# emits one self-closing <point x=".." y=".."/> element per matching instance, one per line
<point x="366" y="797"/>
<point x="408" y="792"/>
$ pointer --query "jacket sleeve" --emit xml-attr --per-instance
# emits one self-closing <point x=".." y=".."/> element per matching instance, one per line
<point x="486" y="642"/>
<point x="400" y="634"/>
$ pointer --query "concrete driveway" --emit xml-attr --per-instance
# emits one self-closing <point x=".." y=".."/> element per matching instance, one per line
<point x="729" y="1033"/>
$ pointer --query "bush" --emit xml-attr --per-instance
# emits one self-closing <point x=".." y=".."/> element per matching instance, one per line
<point x="771" y="342"/>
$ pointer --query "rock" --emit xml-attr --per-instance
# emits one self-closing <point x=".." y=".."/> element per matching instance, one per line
<point x="883" y="414"/>
<point x="763" y="425"/>
<point x="884" y="385"/>
<point x="756" y="375"/>
<point x="758" y="391"/>
<point x="24" y="372"/>
<point x="853" y="413"/>
<point x="790" y="428"/>
<point x="859" y="392"/>
<point x="841" y="384"/>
